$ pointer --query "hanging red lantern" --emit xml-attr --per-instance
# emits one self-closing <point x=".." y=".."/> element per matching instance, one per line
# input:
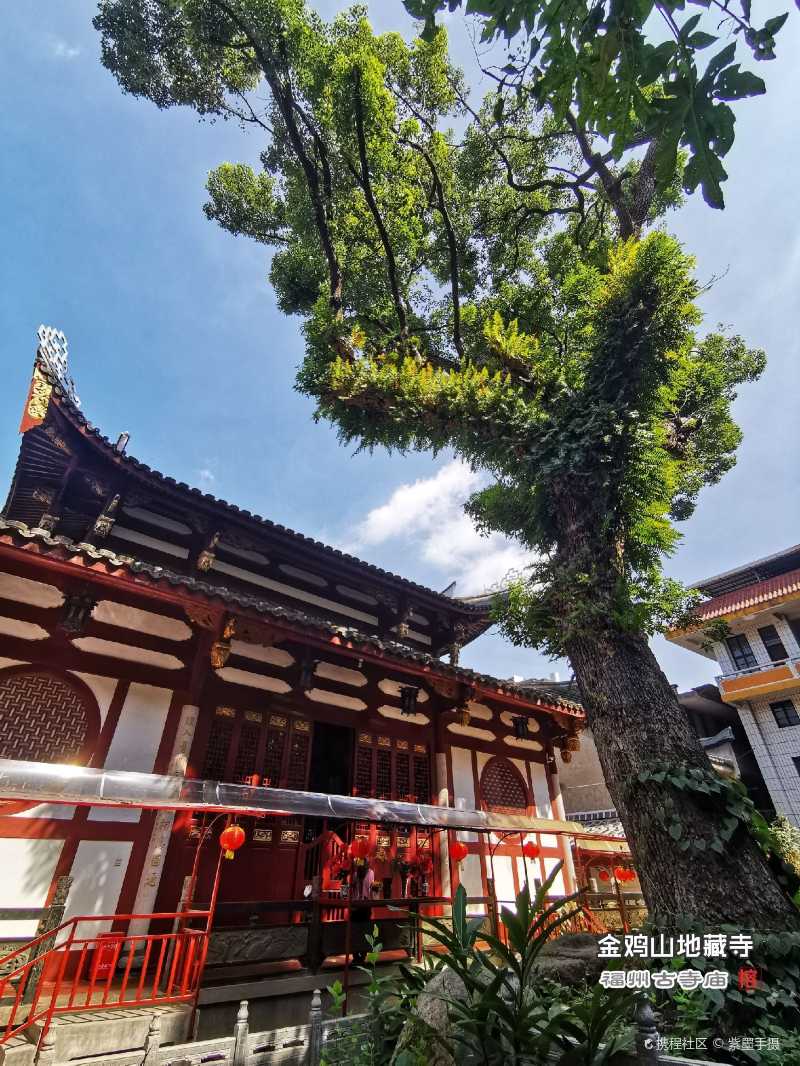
<point x="359" y="849"/>
<point x="458" y="850"/>
<point x="530" y="850"/>
<point x="604" y="875"/>
<point x="630" y="875"/>
<point x="231" y="839"/>
<point x="620" y="872"/>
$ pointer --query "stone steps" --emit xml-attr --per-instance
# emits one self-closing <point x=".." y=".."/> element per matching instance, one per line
<point x="18" y="1052"/>
<point x="102" y="1033"/>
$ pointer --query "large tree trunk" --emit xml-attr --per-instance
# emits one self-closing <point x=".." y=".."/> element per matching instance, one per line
<point x="637" y="724"/>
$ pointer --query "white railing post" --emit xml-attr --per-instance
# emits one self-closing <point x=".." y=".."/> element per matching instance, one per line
<point x="646" y="1034"/>
<point x="46" y="1055"/>
<point x="241" y="1033"/>
<point x="314" y="1056"/>
<point x="152" y="1042"/>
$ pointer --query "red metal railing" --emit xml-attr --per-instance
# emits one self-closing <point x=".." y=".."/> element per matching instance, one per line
<point x="67" y="970"/>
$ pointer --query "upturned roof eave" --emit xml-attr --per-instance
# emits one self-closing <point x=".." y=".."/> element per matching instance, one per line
<point x="477" y="615"/>
<point x="292" y="618"/>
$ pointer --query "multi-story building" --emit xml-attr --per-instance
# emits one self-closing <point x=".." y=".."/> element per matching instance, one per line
<point x="759" y="660"/>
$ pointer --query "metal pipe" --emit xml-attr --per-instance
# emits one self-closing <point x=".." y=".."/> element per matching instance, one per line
<point x="35" y="783"/>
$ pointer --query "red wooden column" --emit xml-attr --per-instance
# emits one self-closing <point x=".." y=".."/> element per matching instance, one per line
<point x="442" y="778"/>
<point x="557" y="807"/>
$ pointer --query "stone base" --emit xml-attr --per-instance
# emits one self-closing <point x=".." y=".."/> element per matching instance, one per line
<point x="96" y="1033"/>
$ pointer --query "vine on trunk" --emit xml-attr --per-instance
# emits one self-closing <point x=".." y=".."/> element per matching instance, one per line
<point x="736" y="814"/>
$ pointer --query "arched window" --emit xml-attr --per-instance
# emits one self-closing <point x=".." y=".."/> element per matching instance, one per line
<point x="502" y="787"/>
<point x="46" y="716"/>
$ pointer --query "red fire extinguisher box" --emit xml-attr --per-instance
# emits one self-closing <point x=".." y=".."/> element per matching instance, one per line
<point x="105" y="955"/>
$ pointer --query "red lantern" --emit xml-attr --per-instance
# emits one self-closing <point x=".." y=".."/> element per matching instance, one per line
<point x="359" y="849"/>
<point x="604" y="875"/>
<point x="530" y="850"/>
<point x="231" y="839"/>
<point x="620" y="873"/>
<point x="458" y="850"/>
<point x="630" y="875"/>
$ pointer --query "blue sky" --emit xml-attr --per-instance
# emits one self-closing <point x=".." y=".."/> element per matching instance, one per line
<point x="174" y="333"/>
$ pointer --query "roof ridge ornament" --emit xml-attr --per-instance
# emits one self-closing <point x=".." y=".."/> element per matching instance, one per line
<point x="53" y="350"/>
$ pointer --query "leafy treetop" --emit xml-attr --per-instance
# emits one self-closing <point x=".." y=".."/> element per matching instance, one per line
<point x="462" y="285"/>
<point x="634" y="72"/>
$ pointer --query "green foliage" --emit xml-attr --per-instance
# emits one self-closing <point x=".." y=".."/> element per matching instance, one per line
<point x="736" y="814"/>
<point x="470" y="292"/>
<point x="610" y="63"/>
<point x="389" y="1002"/>
<point x="507" y="1015"/>
<point x="786" y="841"/>
<point x="772" y="1009"/>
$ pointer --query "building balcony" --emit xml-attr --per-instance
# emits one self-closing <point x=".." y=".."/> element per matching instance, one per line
<point x="765" y="679"/>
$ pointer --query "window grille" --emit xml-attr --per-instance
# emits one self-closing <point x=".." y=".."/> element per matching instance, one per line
<point x="741" y="652"/>
<point x="773" y="643"/>
<point x="402" y="776"/>
<point x="785" y="713"/>
<point x="43" y="718"/>
<point x="275" y="747"/>
<point x="422" y="778"/>
<point x="502" y="787"/>
<point x="298" y="758"/>
<point x="245" y="764"/>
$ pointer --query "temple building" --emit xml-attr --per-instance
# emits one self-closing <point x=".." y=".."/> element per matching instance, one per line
<point x="148" y="627"/>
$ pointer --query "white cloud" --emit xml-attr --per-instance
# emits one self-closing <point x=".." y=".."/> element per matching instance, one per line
<point x="428" y="516"/>
<point x="60" y="49"/>
<point x="206" y="477"/>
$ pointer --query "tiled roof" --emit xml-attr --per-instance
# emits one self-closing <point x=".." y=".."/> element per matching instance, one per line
<point x="305" y="620"/>
<point x="752" y="572"/>
<point x="612" y="828"/>
<point x="479" y="606"/>
<point x="758" y="594"/>
<point x="552" y="690"/>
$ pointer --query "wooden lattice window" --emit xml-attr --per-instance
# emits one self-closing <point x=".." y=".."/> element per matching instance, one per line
<point x="245" y="764"/>
<point x="502" y="787"/>
<point x="383" y="774"/>
<point x="273" y="747"/>
<point x="402" y="781"/>
<point x="362" y="778"/>
<point x="273" y="753"/>
<point x="297" y="772"/>
<point x="389" y="768"/>
<point x="219" y="744"/>
<point x="45" y="717"/>
<point x="422" y="776"/>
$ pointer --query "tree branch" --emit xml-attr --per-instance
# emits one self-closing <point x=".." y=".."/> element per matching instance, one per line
<point x="366" y="186"/>
<point x="612" y="185"/>
<point x="452" y="244"/>
<point x="284" y="98"/>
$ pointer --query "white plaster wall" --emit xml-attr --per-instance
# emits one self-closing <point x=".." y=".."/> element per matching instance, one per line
<point x="138" y="734"/>
<point x="534" y="872"/>
<point x="102" y="688"/>
<point x="10" y="662"/>
<point x="463" y="784"/>
<point x="28" y="867"/>
<point x="135" y="742"/>
<point x="504" y="880"/>
<point x="470" y="878"/>
<point x="97" y="875"/>
<point x="557" y="888"/>
<point x="162" y="827"/>
<point x="541" y="793"/>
